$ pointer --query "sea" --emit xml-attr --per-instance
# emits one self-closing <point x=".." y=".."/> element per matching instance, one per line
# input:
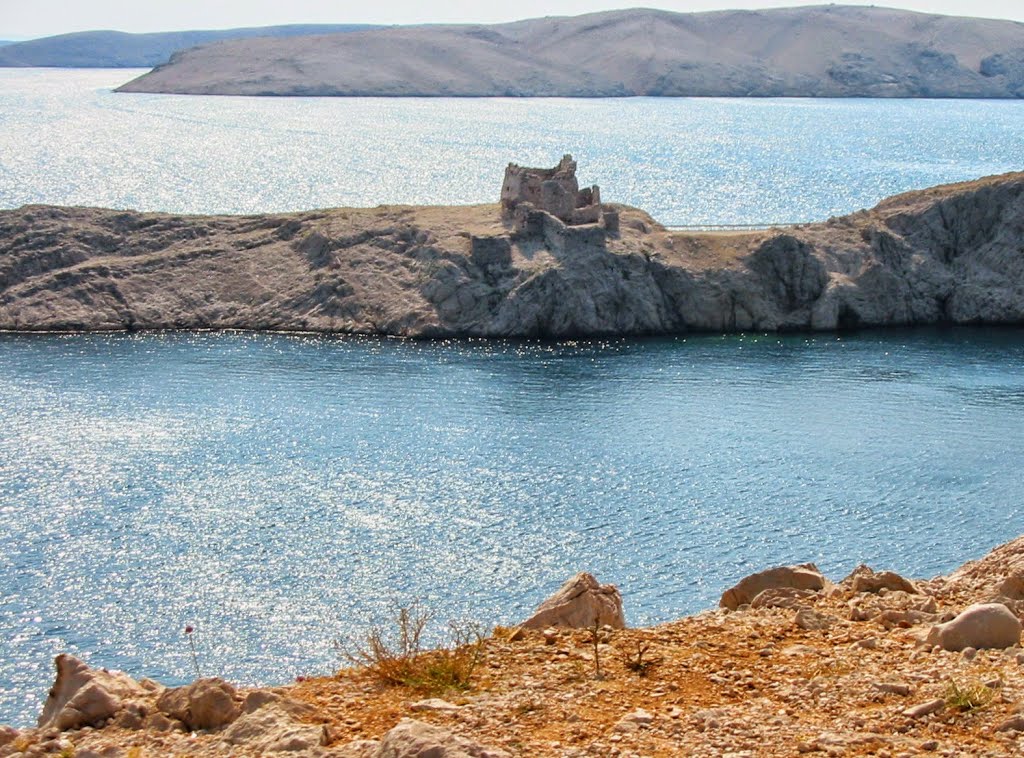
<point x="282" y="494"/>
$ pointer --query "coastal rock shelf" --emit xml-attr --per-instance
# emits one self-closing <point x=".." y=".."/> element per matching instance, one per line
<point x="950" y="254"/>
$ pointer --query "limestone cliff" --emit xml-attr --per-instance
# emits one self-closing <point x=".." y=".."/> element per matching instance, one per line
<point x="952" y="254"/>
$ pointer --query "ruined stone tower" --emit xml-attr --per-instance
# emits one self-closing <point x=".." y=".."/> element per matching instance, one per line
<point x="552" y="190"/>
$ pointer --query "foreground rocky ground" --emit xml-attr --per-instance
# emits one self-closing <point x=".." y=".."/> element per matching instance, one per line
<point x="872" y="665"/>
<point x="952" y="254"/>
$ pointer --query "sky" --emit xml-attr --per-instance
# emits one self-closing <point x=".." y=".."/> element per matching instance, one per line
<point x="21" y="19"/>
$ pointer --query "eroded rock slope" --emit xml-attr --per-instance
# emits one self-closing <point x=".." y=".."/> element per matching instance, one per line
<point x="951" y="254"/>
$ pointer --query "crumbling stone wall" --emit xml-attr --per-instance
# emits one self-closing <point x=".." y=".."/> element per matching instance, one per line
<point x="552" y="190"/>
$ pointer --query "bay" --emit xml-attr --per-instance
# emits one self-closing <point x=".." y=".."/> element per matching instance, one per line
<point x="282" y="493"/>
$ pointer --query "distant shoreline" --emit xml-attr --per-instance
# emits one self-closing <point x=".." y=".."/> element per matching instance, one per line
<point x="814" y="52"/>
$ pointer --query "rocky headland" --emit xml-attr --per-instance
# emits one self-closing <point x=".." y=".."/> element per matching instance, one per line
<point x="790" y="663"/>
<point x="824" y="51"/>
<point x="574" y="267"/>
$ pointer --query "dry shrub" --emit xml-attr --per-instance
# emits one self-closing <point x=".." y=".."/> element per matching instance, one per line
<point x="968" y="697"/>
<point x="636" y="661"/>
<point x="397" y="658"/>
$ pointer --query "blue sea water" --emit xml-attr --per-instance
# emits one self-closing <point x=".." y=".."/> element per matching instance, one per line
<point x="65" y="138"/>
<point x="282" y="492"/>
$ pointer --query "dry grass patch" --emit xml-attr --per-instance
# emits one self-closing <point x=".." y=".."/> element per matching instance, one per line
<point x="396" y="657"/>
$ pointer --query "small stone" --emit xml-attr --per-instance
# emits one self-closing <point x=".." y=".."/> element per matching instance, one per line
<point x="863" y="579"/>
<point x="893" y="688"/>
<point x="924" y="709"/>
<point x="433" y="705"/>
<point x="930" y="745"/>
<point x="968" y="653"/>
<point x="129" y="719"/>
<point x="1012" y="724"/>
<point x="810" y="620"/>
<point x="634" y="721"/>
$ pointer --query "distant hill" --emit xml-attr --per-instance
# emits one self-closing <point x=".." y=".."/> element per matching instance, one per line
<point x="825" y="51"/>
<point x="108" y="49"/>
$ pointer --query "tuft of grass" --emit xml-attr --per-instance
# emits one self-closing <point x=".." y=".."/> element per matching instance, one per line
<point x="968" y="697"/>
<point x="397" y="658"/>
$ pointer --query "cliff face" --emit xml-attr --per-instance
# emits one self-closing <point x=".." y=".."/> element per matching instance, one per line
<point x="825" y="51"/>
<point x="952" y="254"/>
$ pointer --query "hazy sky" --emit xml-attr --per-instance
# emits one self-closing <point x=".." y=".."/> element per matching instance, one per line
<point x="33" y="18"/>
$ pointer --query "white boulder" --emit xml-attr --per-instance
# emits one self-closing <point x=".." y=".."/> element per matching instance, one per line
<point x="986" y="625"/>
<point x="804" y="576"/>
<point x="580" y="603"/>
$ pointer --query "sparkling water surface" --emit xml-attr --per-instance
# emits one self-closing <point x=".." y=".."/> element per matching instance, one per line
<point x="283" y="492"/>
<point x="65" y="138"/>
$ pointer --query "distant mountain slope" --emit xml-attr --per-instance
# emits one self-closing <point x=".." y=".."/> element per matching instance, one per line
<point x="826" y="51"/>
<point x="108" y="49"/>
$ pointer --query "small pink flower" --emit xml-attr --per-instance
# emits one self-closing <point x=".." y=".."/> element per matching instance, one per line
<point x="189" y="629"/>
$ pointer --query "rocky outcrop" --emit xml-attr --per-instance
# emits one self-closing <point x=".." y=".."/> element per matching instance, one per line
<point x="826" y="51"/>
<point x="581" y="602"/>
<point x="415" y="739"/>
<point x="272" y="724"/>
<point x="804" y="577"/>
<point x="864" y="579"/>
<point x="83" y="696"/>
<point x="209" y="703"/>
<point x="950" y="255"/>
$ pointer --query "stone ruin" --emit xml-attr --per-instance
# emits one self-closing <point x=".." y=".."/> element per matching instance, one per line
<point x="546" y="205"/>
<point x="554" y="191"/>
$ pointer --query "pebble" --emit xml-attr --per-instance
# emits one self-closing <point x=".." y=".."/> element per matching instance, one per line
<point x="893" y="688"/>
<point x="923" y="709"/>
